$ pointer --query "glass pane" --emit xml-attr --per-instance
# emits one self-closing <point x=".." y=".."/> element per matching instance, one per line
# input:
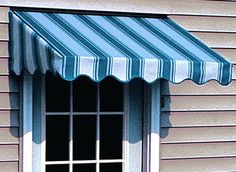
<point x="57" y="138"/>
<point x="84" y="168"/>
<point x="84" y="95"/>
<point x="57" y="168"/>
<point x="111" y="95"/>
<point x="84" y="137"/>
<point x="111" y="136"/>
<point x="57" y="94"/>
<point x="114" y="167"/>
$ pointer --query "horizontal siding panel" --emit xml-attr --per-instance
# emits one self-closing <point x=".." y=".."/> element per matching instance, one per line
<point x="9" y="153"/>
<point x="9" y="84"/>
<point x="9" y="119"/>
<point x="9" y="135"/>
<point x="157" y="6"/>
<point x="199" y="103"/>
<point x="197" y="119"/>
<point x="4" y="32"/>
<point x="141" y="6"/>
<point x="199" y="165"/>
<point x="228" y="53"/>
<point x="4" y="49"/>
<point x="190" y="88"/>
<point x="4" y="66"/>
<point x="217" y="40"/>
<point x="203" y="134"/>
<point x="9" y="101"/>
<point x="199" y="150"/>
<point x="9" y="166"/>
<point x="4" y="14"/>
<point x="208" y="24"/>
<point x="211" y="8"/>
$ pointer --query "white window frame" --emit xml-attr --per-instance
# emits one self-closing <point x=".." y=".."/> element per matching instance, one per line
<point x="34" y="162"/>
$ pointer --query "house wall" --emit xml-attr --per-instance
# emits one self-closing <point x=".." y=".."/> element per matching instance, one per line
<point x="9" y="104"/>
<point x="198" y="122"/>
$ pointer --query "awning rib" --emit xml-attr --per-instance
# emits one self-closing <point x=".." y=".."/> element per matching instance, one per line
<point x="100" y="46"/>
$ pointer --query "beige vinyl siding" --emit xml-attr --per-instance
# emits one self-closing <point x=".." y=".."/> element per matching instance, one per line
<point x="204" y="7"/>
<point x="4" y="36"/>
<point x="141" y="6"/>
<point x="230" y="53"/>
<point x="9" y="166"/>
<point x="198" y="123"/>
<point x="9" y="118"/>
<point x="9" y="104"/>
<point x="199" y="165"/>
<point x="4" y="49"/>
<point x="200" y="150"/>
<point x="9" y="153"/>
<point x="217" y="39"/>
<point x="180" y="7"/>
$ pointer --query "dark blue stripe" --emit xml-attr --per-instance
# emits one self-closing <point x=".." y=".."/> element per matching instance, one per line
<point x="22" y="45"/>
<point x="49" y="56"/>
<point x="226" y="76"/>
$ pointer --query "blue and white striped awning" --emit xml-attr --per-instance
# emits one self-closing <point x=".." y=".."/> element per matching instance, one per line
<point x="99" y="46"/>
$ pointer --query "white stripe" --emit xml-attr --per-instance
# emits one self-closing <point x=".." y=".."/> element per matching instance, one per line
<point x="211" y="71"/>
<point x="42" y="54"/>
<point x="31" y="66"/>
<point x="16" y="51"/>
<point x="87" y="66"/>
<point x="119" y="68"/>
<point x="151" y="69"/>
<point x="57" y="62"/>
<point x="181" y="71"/>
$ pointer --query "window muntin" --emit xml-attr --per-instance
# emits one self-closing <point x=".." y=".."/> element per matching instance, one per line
<point x="93" y="133"/>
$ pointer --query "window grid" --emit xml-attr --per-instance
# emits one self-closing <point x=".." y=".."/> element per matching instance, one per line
<point x="99" y="113"/>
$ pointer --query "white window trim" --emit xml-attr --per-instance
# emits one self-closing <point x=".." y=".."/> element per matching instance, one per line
<point x="31" y="160"/>
<point x="154" y="115"/>
<point x="152" y="131"/>
<point x="27" y="109"/>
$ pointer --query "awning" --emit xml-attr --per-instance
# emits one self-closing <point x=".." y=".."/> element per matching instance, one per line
<point x="124" y="47"/>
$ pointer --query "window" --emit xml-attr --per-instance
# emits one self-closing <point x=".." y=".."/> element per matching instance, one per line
<point x="84" y="125"/>
<point x="87" y="126"/>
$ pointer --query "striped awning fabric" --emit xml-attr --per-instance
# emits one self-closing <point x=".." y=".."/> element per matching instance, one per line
<point x="97" y="46"/>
